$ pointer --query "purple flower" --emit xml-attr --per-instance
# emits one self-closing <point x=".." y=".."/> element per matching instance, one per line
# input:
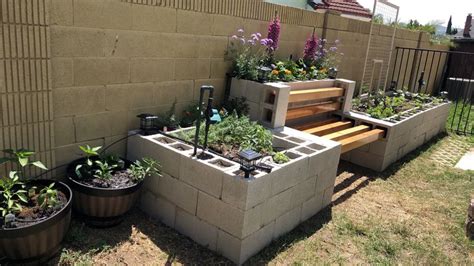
<point x="234" y="37"/>
<point x="259" y="34"/>
<point x="242" y="40"/>
<point x="240" y="31"/>
<point x="333" y="49"/>
<point x="336" y="41"/>
<point x="310" y="48"/>
<point x="274" y="34"/>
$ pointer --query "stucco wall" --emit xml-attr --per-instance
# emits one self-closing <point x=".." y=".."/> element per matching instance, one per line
<point x="110" y="60"/>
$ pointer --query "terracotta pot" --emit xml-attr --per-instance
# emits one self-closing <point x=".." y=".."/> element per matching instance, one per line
<point x="101" y="207"/>
<point x="40" y="241"/>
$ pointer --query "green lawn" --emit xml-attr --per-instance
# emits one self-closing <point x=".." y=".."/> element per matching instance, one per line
<point x="413" y="213"/>
<point x="461" y="117"/>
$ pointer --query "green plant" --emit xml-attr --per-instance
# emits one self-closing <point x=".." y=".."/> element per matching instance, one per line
<point x="169" y="119"/>
<point x="82" y="170"/>
<point x="280" y="158"/>
<point x="10" y="196"/>
<point x="48" y="197"/>
<point x="12" y="189"/>
<point x="190" y="115"/>
<point x="238" y="104"/>
<point x="104" y="170"/>
<point x="143" y="168"/>
<point x="235" y="132"/>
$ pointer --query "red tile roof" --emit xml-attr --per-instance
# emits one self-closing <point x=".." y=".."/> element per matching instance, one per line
<point x="351" y="7"/>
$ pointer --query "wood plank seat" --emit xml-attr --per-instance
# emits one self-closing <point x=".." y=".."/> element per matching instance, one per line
<point x="315" y="94"/>
<point x="305" y="111"/>
<point x="303" y="127"/>
<point x="362" y="139"/>
<point x="346" y="133"/>
<point x="329" y="128"/>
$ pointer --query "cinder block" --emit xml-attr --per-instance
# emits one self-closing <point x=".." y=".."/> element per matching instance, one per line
<point x="62" y="73"/>
<point x="64" y="131"/>
<point x="177" y="192"/>
<point x="277" y="206"/>
<point x="198" y="230"/>
<point x="108" y="14"/>
<point x="238" y="88"/>
<point x="101" y="71"/>
<point x="312" y="206"/>
<point x="158" y="208"/>
<point x="255" y="242"/>
<point x="287" y="222"/>
<point x="92" y="126"/>
<point x="219" y="68"/>
<point x="194" y="23"/>
<point x="253" y="220"/>
<point x="303" y="191"/>
<point x="186" y="69"/>
<point x="60" y="12"/>
<point x="212" y="47"/>
<point x="170" y="159"/>
<point x="145" y="70"/>
<point x="226" y="25"/>
<point x="204" y="176"/>
<point x="152" y="18"/>
<point x="77" y="42"/>
<point x="221" y="214"/>
<point x="117" y="97"/>
<point x="229" y="246"/>
<point x="245" y="193"/>
<point x="327" y="197"/>
<point x="289" y="174"/>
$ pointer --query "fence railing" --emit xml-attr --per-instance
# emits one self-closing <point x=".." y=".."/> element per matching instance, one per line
<point x="433" y="71"/>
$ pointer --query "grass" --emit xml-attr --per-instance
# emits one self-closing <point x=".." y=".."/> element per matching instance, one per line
<point x="461" y="116"/>
<point x="412" y="213"/>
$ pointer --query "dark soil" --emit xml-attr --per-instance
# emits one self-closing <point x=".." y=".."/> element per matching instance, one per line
<point x="166" y="140"/>
<point x="120" y="179"/>
<point x="32" y="213"/>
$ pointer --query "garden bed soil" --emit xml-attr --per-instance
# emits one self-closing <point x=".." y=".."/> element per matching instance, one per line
<point x="120" y="179"/>
<point x="33" y="213"/>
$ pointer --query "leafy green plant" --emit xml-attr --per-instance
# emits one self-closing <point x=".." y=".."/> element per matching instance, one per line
<point x="82" y="170"/>
<point x="10" y="196"/>
<point x="235" y="132"/>
<point x="238" y="105"/>
<point x="143" y="168"/>
<point x="190" y="115"/>
<point x="21" y="158"/>
<point x="280" y="158"/>
<point x="48" y="197"/>
<point x="169" y="119"/>
<point x="104" y="170"/>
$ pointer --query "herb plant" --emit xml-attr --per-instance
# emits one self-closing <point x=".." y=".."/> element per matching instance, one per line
<point x="104" y="170"/>
<point x="238" y="105"/>
<point x="143" y="168"/>
<point x="48" y="197"/>
<point x="280" y="158"/>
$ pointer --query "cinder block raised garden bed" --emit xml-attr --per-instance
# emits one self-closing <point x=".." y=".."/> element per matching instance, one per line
<point x="211" y="202"/>
<point x="413" y="130"/>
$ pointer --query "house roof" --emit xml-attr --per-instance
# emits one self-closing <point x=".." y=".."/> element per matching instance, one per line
<point x="351" y="7"/>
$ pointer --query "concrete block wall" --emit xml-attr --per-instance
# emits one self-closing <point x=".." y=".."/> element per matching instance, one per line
<point x="94" y="65"/>
<point x="226" y="213"/>
<point x="401" y="137"/>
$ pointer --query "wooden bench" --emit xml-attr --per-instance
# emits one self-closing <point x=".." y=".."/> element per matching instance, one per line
<point x="314" y="111"/>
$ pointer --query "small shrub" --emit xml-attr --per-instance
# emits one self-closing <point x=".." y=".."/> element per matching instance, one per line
<point x="280" y="158"/>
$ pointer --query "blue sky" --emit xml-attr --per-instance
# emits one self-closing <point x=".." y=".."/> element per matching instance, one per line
<point x="429" y="10"/>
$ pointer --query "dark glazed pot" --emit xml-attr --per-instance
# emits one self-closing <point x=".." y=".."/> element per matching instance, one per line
<point x="101" y="207"/>
<point x="40" y="241"/>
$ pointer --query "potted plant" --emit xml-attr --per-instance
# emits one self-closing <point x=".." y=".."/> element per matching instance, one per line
<point x="35" y="214"/>
<point x="106" y="187"/>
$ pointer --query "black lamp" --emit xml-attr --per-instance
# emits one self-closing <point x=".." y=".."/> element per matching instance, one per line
<point x="248" y="160"/>
<point x="332" y="73"/>
<point x="263" y="73"/>
<point x="148" y="123"/>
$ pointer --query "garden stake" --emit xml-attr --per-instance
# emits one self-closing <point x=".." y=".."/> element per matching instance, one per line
<point x="208" y="114"/>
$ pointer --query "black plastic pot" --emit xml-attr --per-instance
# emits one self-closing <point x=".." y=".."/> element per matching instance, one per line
<point x="101" y="207"/>
<point x="40" y="241"/>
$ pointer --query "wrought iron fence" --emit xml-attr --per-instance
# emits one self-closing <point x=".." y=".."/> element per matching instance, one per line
<point x="433" y="71"/>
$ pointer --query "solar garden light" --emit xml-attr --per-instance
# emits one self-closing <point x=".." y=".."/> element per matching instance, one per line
<point x="263" y="73"/>
<point x="332" y="73"/>
<point x="148" y="123"/>
<point x="444" y="95"/>
<point x="248" y="160"/>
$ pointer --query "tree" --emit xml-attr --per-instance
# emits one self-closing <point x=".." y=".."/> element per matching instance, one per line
<point x="448" y="28"/>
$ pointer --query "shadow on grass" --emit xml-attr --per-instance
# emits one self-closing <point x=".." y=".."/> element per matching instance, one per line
<point x="315" y="223"/>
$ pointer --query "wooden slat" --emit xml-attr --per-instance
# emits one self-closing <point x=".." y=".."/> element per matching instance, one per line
<point x="305" y="111"/>
<point x="315" y="94"/>
<point x="312" y="124"/>
<point x="357" y="141"/>
<point x="346" y="133"/>
<point x="329" y="128"/>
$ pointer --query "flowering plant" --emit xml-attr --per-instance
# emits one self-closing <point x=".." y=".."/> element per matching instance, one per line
<point x="327" y="58"/>
<point x="273" y="35"/>
<point x="248" y="54"/>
